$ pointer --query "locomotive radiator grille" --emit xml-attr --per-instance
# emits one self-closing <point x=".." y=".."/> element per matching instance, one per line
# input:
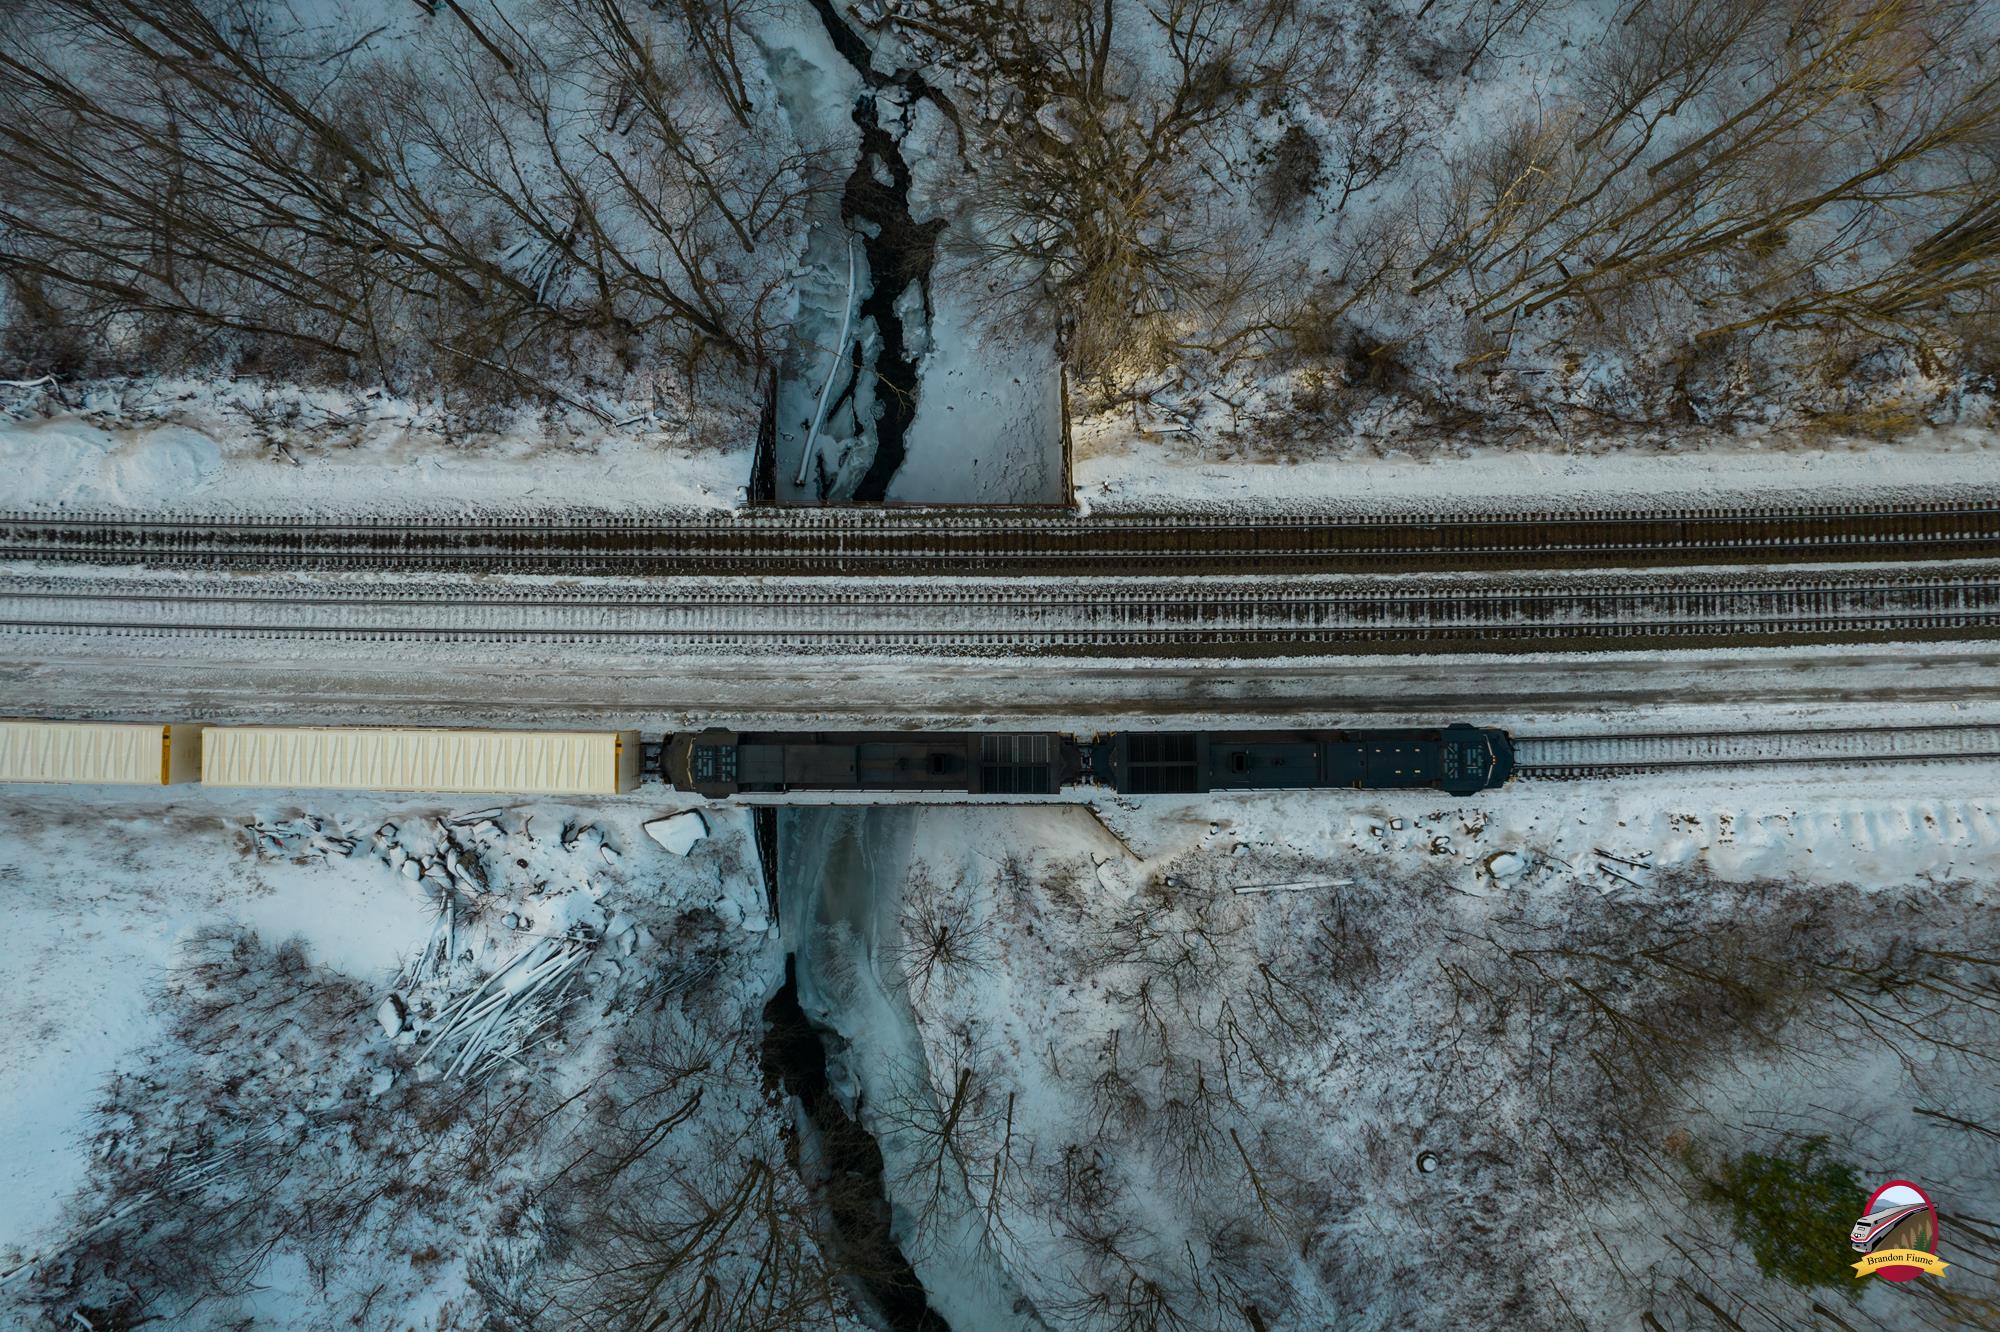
<point x="1016" y="765"/>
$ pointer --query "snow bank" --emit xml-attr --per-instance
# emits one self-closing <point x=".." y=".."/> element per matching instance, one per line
<point x="403" y="908"/>
<point x="1119" y="469"/>
<point x="329" y="454"/>
<point x="678" y="832"/>
<point x="988" y="428"/>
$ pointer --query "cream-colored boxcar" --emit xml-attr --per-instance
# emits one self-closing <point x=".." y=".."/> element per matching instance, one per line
<point x="123" y="753"/>
<point x="363" y="758"/>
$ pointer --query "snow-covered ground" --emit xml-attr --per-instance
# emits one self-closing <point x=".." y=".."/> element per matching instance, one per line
<point x="196" y="449"/>
<point x="1181" y="1052"/>
<point x="989" y="423"/>
<point x="1321" y="265"/>
<point x="200" y="979"/>
<point x="1119" y="468"/>
<point x="307" y="682"/>
<point x="980" y="436"/>
<point x="1188" y="1056"/>
<point x="1308" y="359"/>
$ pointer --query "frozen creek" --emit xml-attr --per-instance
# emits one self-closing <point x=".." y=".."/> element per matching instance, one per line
<point x="847" y="1042"/>
<point x="898" y="386"/>
<point x="856" y="362"/>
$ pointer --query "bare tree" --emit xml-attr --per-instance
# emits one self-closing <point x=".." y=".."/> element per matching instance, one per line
<point x="942" y="939"/>
<point x="1094" y="208"/>
<point x="1479" y="23"/>
<point x="677" y="1208"/>
<point x="209" y="1162"/>
<point x="585" y="188"/>
<point x="1796" y="148"/>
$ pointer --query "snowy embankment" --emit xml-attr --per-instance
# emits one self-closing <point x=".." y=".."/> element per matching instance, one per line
<point x="1375" y="1059"/>
<point x="187" y="449"/>
<point x="200" y="449"/>
<point x="438" y="1035"/>
<point x="1121" y="468"/>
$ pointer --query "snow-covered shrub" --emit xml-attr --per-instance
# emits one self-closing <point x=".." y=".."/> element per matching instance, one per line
<point x="256" y="1135"/>
<point x="1296" y="169"/>
<point x="1546" y="211"/>
<point x="1357" y="1100"/>
<point x="685" y="1203"/>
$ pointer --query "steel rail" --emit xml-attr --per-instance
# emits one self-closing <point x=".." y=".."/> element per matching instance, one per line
<point x="1160" y="616"/>
<point x="819" y="542"/>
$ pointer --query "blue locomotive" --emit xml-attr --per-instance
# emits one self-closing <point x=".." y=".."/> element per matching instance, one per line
<point x="1457" y="759"/>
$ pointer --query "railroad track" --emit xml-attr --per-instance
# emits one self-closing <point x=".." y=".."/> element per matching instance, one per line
<point x="1253" y="615"/>
<point x="1014" y="542"/>
<point x="1588" y="757"/>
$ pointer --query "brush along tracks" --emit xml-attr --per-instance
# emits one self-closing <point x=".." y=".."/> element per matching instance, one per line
<point x="1016" y="542"/>
<point x="1158" y="617"/>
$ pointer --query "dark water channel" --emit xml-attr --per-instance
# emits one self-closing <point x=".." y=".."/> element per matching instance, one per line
<point x="861" y="1242"/>
<point x="860" y="1222"/>
<point x="875" y="206"/>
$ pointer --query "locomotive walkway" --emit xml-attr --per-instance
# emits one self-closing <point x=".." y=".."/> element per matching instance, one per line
<point x="882" y="542"/>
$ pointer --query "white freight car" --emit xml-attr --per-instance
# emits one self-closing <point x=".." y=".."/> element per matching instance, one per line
<point x="362" y="758"/>
<point x="123" y="753"/>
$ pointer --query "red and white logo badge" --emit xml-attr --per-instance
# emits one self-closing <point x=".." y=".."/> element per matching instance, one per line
<point x="1898" y="1233"/>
